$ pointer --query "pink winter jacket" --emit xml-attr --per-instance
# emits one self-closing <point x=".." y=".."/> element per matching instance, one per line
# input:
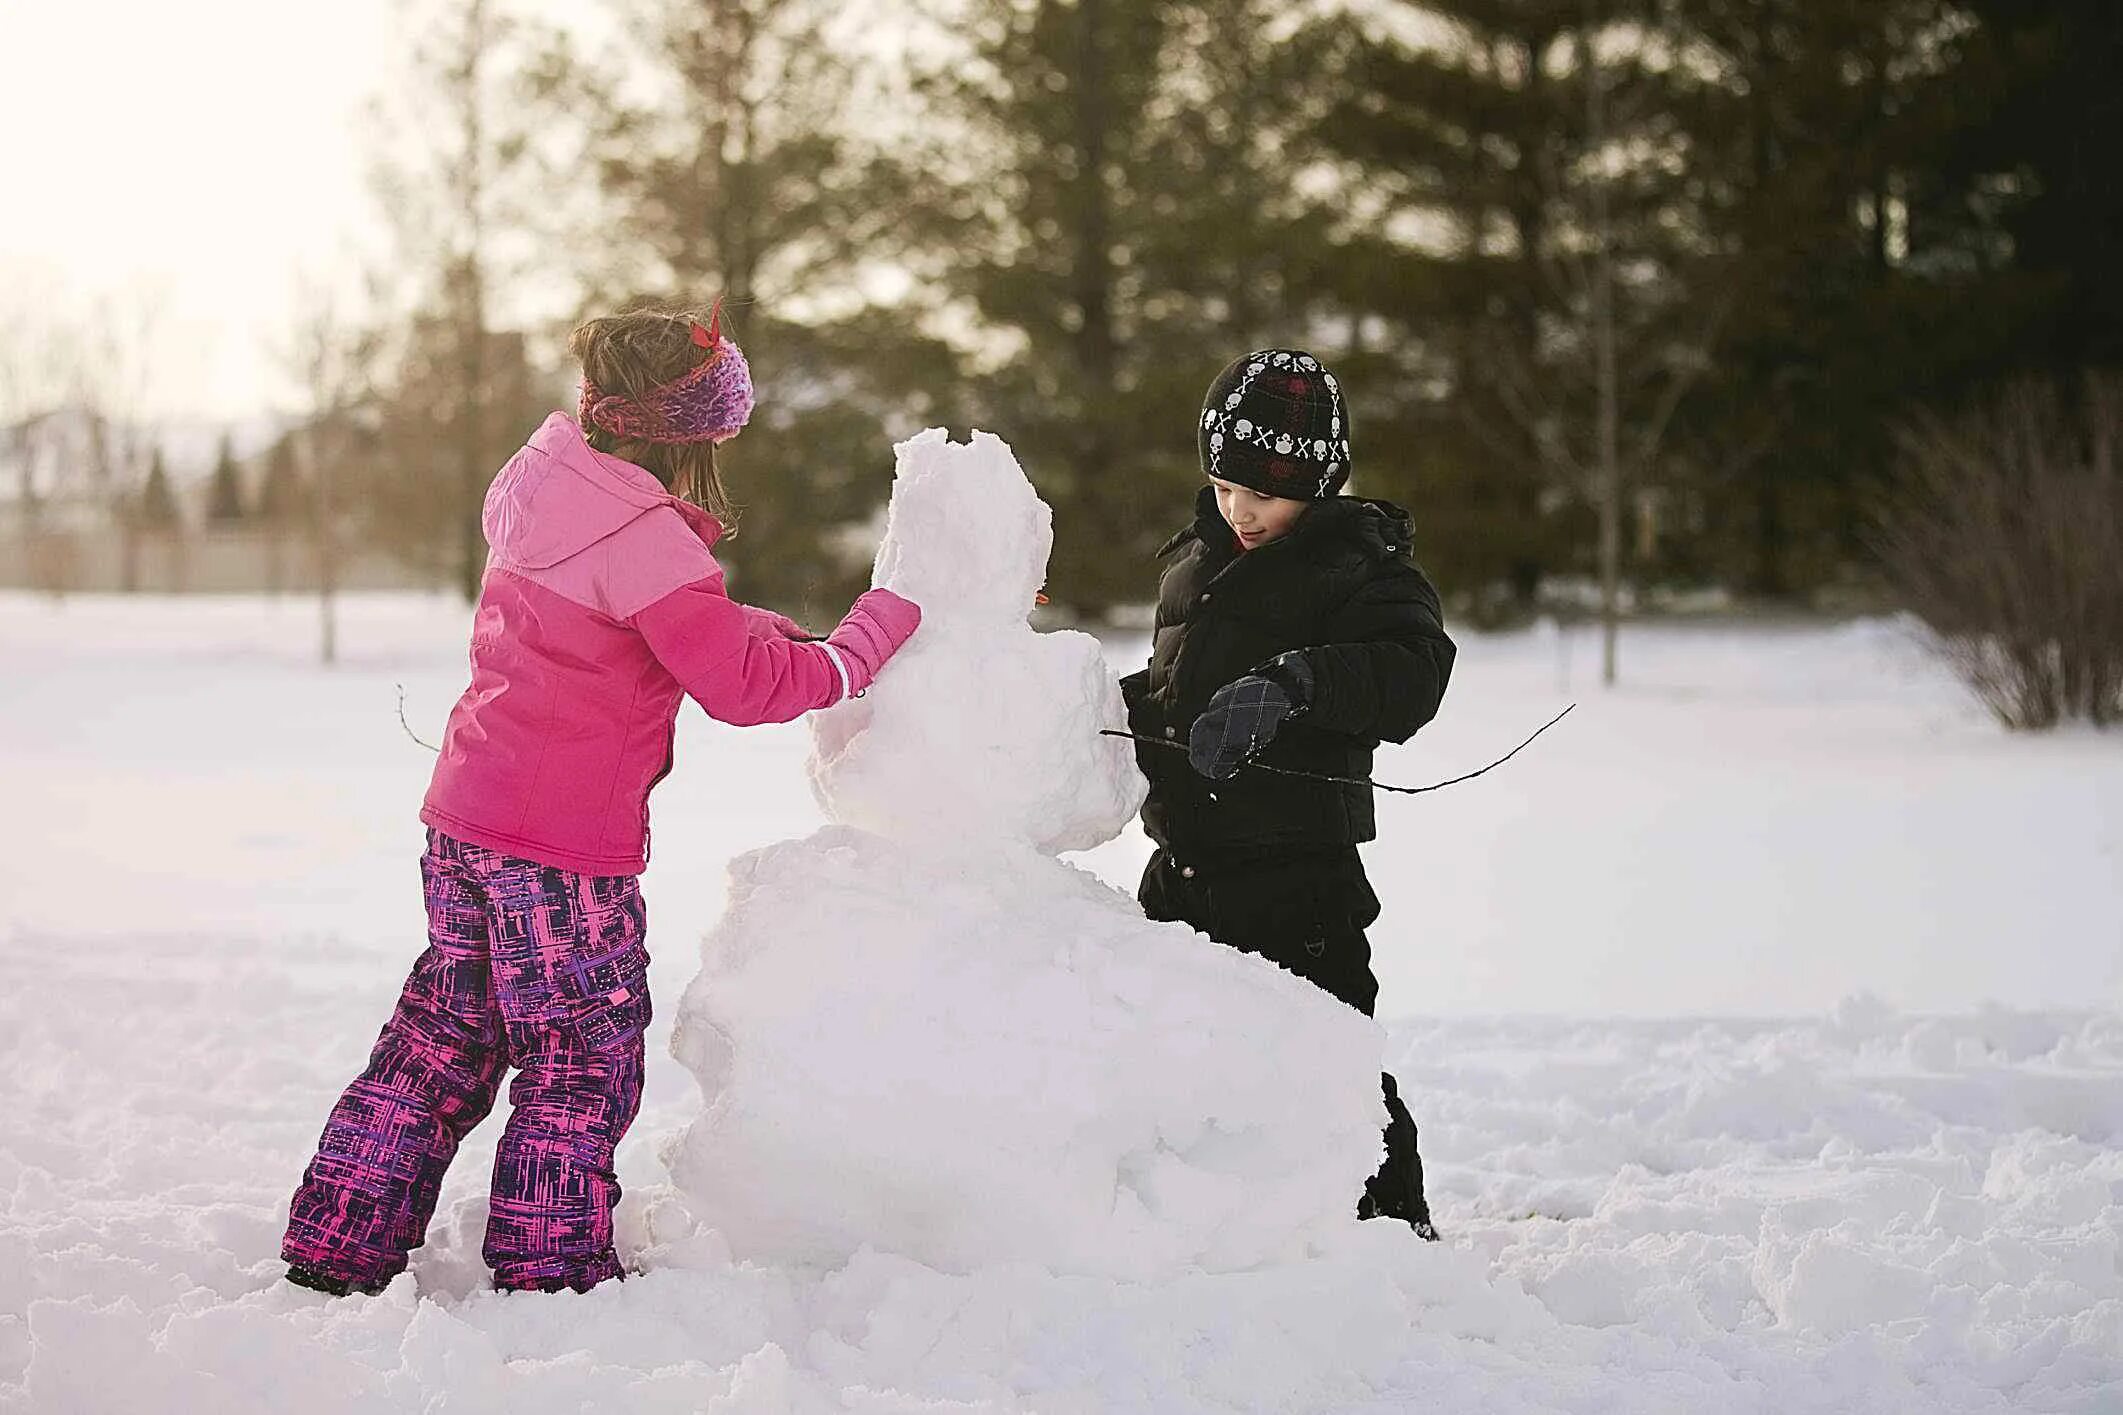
<point x="601" y="606"/>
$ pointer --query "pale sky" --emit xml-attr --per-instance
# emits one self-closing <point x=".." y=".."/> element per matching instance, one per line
<point x="191" y="167"/>
<point x="205" y="157"/>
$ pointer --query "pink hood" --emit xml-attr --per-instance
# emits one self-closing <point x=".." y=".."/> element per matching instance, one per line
<point x="559" y="496"/>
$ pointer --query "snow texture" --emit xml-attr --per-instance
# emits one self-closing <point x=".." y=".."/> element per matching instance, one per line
<point x="1862" y="1212"/>
<point x="918" y="1032"/>
<point x="1655" y="1199"/>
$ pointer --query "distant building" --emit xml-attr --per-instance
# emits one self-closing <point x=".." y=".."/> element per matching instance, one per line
<point x="71" y="483"/>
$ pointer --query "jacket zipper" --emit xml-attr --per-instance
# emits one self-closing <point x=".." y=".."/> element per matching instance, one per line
<point x="670" y="742"/>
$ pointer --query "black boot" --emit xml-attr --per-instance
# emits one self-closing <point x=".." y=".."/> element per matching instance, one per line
<point x="1396" y="1191"/>
<point x="333" y="1286"/>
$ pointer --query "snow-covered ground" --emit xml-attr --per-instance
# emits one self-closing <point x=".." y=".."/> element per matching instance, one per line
<point x="1762" y="1019"/>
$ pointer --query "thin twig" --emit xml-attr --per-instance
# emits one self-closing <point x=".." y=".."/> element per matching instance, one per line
<point x="409" y="726"/>
<point x="1355" y="780"/>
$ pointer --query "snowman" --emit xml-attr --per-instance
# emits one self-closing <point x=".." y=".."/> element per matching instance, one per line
<point x="920" y="1031"/>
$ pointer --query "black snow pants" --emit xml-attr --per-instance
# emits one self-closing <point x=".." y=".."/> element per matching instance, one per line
<point x="1307" y="913"/>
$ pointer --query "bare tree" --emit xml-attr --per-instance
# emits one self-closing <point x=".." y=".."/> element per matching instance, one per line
<point x="34" y="355"/>
<point x="335" y="361"/>
<point x="47" y="430"/>
<point x="468" y="176"/>
<point x="113" y="383"/>
<point x="37" y="361"/>
<point x="447" y="187"/>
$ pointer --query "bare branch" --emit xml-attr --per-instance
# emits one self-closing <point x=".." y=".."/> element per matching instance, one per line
<point x="1681" y="376"/>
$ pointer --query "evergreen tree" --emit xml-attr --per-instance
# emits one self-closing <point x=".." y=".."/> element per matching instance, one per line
<point x="282" y="509"/>
<point x="1817" y="224"/>
<point x="736" y="170"/>
<point x="1529" y="195"/>
<point x="457" y="189"/>
<point x="224" y="501"/>
<point x="1119" y="217"/>
<point x="1863" y="279"/>
<point x="2038" y="132"/>
<point x="158" y="504"/>
<point x="411" y="490"/>
<point x="281" y="492"/>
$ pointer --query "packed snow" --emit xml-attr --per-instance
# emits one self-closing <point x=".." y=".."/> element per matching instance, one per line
<point x="1762" y="1022"/>
<point x="989" y="732"/>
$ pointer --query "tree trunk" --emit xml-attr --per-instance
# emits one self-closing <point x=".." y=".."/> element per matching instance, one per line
<point x="1769" y="536"/>
<point x="1092" y="489"/>
<point x="472" y="332"/>
<point x="471" y="466"/>
<point x="1609" y="461"/>
<point x="1529" y="217"/>
<point x="128" y="551"/>
<point x="325" y="544"/>
<point x="1881" y="178"/>
<point x="741" y="255"/>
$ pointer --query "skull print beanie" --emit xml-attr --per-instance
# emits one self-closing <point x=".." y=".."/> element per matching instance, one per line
<point x="1274" y="421"/>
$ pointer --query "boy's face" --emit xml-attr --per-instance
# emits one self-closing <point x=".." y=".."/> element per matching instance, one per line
<point x="1256" y="519"/>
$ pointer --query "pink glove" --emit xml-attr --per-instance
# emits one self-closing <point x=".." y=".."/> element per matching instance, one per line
<point x="767" y="624"/>
<point x="871" y="633"/>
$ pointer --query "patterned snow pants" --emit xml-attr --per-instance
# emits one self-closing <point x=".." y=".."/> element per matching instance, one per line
<point x="526" y="966"/>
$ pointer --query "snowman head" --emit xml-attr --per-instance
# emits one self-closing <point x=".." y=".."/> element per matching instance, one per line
<point x="966" y="536"/>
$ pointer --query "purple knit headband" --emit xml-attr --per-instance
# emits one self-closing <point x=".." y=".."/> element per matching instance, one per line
<point x="708" y="403"/>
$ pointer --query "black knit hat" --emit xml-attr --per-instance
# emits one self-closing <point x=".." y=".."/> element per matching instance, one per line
<point x="1274" y="421"/>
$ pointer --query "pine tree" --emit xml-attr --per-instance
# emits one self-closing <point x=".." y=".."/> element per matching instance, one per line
<point x="1528" y="191"/>
<point x="1122" y="221"/>
<point x="224" y="502"/>
<point x="411" y="492"/>
<point x="1858" y="284"/>
<point x="158" y="504"/>
<point x="457" y="193"/>
<point x="282" y="509"/>
<point x="740" y="172"/>
<point x="281" y="492"/>
<point x="2037" y="132"/>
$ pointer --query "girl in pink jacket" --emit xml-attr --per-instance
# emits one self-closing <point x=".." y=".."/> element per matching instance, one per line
<point x="602" y="606"/>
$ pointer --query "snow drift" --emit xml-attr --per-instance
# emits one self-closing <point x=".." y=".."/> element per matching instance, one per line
<point x="1855" y="1208"/>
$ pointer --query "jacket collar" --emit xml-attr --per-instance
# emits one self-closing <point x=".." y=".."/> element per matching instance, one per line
<point x="561" y="438"/>
<point x="1379" y="528"/>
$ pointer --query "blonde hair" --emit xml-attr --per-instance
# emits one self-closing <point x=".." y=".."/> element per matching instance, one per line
<point x="631" y="354"/>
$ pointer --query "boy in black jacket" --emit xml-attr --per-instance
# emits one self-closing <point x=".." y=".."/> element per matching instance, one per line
<point x="1293" y="628"/>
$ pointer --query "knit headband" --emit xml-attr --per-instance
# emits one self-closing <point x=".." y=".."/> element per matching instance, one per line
<point x="709" y="402"/>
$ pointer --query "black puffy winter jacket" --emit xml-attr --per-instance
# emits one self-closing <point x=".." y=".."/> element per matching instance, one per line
<point x="1343" y="586"/>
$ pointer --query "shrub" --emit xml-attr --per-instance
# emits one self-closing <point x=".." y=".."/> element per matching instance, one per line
<point x="2003" y="532"/>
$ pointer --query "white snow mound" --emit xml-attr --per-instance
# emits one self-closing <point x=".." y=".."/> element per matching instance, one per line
<point x="916" y="1031"/>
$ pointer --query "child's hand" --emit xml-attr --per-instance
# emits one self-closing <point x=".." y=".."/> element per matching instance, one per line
<point x="872" y="632"/>
<point x="1244" y="716"/>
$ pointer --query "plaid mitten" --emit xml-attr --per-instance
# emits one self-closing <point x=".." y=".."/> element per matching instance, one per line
<point x="1243" y="716"/>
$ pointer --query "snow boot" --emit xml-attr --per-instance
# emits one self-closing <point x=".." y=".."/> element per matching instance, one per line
<point x="1396" y="1191"/>
<point x="317" y="1281"/>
